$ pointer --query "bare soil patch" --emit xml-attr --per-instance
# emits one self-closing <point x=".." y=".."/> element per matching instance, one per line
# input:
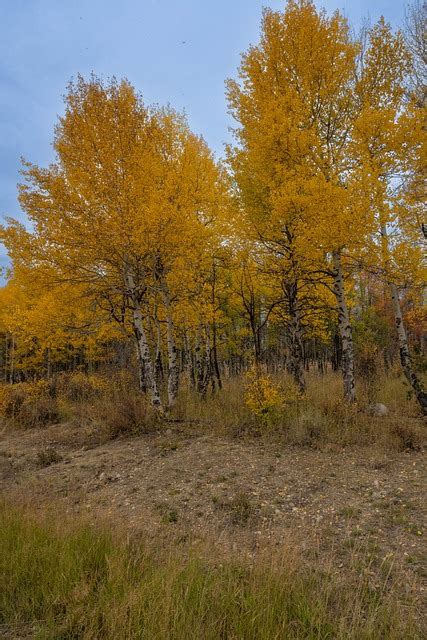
<point x="246" y="496"/>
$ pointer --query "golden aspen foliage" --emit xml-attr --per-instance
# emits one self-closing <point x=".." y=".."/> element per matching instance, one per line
<point x="139" y="242"/>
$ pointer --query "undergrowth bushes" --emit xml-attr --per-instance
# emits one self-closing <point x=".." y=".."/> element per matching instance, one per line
<point x="113" y="405"/>
<point x="29" y="404"/>
<point x="270" y="407"/>
<point x="257" y="405"/>
<point x="121" y="410"/>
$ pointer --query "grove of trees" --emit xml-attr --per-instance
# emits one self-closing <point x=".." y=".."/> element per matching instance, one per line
<point x="302" y="248"/>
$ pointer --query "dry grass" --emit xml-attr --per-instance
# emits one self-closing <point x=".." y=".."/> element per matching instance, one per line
<point x="29" y="405"/>
<point x="75" y="581"/>
<point x="112" y="406"/>
<point x="62" y="580"/>
<point x="321" y="418"/>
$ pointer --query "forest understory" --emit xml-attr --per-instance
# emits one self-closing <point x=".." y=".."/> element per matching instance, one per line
<point x="343" y="502"/>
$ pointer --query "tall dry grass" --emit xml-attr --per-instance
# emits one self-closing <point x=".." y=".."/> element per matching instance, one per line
<point x="319" y="418"/>
<point x="73" y="581"/>
<point x="112" y="406"/>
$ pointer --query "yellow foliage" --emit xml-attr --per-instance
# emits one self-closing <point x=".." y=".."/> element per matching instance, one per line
<point x="266" y="399"/>
<point x="262" y="397"/>
<point x="28" y="404"/>
<point x="137" y="233"/>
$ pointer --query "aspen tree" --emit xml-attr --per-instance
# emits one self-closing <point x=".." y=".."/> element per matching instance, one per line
<point x="388" y="136"/>
<point x="294" y="107"/>
<point x="123" y="211"/>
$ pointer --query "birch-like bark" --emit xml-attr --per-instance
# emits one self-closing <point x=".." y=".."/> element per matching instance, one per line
<point x="405" y="355"/>
<point x="198" y="362"/>
<point x="158" y="367"/>
<point x="344" y="327"/>
<point x="215" y="356"/>
<point x="173" y="369"/>
<point x="262" y="331"/>
<point x="295" y="363"/>
<point x="144" y="356"/>
<point x="296" y="353"/>
<point x="141" y="372"/>
<point x="188" y="361"/>
<point x="208" y="365"/>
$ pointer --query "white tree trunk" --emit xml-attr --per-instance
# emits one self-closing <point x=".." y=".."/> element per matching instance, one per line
<point x="405" y="356"/>
<point x="344" y="326"/>
<point x="173" y="369"/>
<point x="294" y="339"/>
<point x="144" y="356"/>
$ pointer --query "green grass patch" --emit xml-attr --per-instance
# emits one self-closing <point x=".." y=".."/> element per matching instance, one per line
<point x="77" y="582"/>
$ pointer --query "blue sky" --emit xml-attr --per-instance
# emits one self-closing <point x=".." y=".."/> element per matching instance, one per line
<point x="173" y="51"/>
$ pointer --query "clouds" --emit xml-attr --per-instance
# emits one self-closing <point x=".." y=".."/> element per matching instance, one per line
<point x="43" y="43"/>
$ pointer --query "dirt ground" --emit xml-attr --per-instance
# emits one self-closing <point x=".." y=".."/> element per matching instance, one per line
<point x="247" y="495"/>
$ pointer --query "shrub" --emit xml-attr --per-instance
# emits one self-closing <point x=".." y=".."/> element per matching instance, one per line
<point x="121" y="410"/>
<point x="29" y="404"/>
<point x="78" y="386"/>
<point x="369" y="367"/>
<point x="241" y="508"/>
<point x="39" y="412"/>
<point x="262" y="396"/>
<point x="48" y="456"/>
<point x="12" y="398"/>
<point x="408" y="436"/>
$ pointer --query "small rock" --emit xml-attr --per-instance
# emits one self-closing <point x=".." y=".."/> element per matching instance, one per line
<point x="377" y="409"/>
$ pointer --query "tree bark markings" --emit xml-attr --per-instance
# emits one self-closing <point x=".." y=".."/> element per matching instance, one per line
<point x="345" y="331"/>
